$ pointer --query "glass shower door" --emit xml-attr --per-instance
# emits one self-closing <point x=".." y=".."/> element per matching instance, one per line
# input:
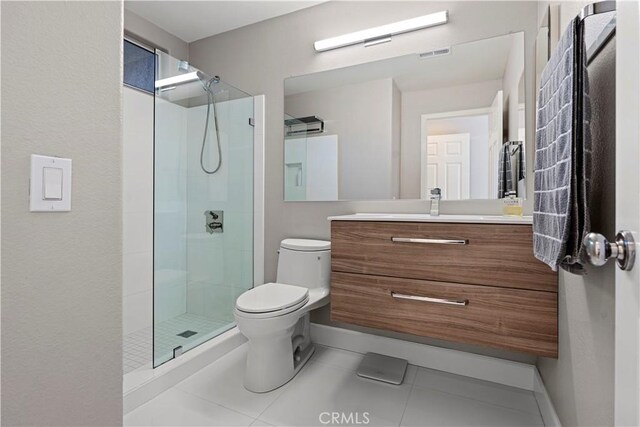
<point x="203" y="206"/>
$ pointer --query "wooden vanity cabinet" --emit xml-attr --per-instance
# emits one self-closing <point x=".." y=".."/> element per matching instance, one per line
<point x="470" y="283"/>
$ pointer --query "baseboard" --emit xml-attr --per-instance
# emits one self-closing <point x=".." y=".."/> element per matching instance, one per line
<point x="142" y="386"/>
<point x="486" y="368"/>
<point x="548" y="411"/>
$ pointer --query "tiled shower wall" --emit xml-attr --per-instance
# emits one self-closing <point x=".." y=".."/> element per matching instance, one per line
<point x="137" y="203"/>
<point x="138" y="192"/>
<point x="220" y="265"/>
<point x="170" y="262"/>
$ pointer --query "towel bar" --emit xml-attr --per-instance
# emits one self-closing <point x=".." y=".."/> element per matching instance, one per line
<point x="609" y="30"/>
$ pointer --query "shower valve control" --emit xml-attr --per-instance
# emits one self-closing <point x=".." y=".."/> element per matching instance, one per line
<point x="213" y="221"/>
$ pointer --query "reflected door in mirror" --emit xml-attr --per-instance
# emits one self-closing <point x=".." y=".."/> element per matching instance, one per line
<point x="448" y="165"/>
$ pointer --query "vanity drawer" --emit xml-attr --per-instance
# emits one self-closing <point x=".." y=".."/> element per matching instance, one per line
<point x="481" y="254"/>
<point x="513" y="319"/>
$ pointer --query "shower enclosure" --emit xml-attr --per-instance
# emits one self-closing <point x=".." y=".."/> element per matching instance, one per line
<point x="203" y="206"/>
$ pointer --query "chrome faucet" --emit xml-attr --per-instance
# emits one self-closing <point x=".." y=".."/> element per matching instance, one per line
<point x="435" y="201"/>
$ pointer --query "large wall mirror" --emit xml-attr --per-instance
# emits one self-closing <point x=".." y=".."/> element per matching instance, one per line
<point x="452" y="118"/>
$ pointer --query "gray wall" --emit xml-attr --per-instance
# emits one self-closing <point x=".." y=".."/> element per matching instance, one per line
<point x="145" y="31"/>
<point x="61" y="272"/>
<point x="257" y="58"/>
<point x="396" y="129"/>
<point x="581" y="380"/>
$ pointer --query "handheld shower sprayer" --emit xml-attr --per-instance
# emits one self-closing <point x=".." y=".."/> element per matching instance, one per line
<point x="207" y="82"/>
<point x="188" y="75"/>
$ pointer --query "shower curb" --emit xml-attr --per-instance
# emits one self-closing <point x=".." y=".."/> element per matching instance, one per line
<point x="143" y="385"/>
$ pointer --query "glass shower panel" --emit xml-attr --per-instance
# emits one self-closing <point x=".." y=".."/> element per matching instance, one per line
<point x="203" y="221"/>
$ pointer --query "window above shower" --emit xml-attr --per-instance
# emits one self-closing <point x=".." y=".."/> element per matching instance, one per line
<point x="139" y="66"/>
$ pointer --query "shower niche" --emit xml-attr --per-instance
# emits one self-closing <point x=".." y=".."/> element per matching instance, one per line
<point x="203" y="163"/>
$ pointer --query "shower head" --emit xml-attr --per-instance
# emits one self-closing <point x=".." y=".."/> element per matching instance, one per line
<point x="206" y="80"/>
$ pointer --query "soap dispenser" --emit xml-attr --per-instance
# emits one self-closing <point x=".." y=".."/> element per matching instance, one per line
<point x="512" y="205"/>
<point x="435" y="197"/>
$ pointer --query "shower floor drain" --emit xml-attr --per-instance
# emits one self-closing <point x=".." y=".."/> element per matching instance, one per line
<point x="186" y="334"/>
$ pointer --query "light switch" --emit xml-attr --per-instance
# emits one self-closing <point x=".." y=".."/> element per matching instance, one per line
<point x="52" y="183"/>
<point x="50" y="188"/>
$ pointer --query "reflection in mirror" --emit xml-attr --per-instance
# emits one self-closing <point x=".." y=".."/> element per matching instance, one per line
<point x="452" y="118"/>
<point x="311" y="161"/>
<point x="543" y="47"/>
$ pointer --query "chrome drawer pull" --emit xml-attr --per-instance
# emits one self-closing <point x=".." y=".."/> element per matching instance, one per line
<point x="430" y="241"/>
<point x="462" y="302"/>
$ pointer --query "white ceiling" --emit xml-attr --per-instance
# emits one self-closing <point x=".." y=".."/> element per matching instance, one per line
<point x="472" y="62"/>
<point x="194" y="20"/>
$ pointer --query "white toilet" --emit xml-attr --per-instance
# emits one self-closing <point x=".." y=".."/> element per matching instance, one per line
<point x="275" y="317"/>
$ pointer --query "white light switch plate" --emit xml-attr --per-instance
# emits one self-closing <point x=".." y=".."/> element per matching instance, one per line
<point x="50" y="188"/>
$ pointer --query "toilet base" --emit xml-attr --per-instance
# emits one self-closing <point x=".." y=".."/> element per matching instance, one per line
<point x="273" y="359"/>
<point x="304" y="359"/>
<point x="260" y="384"/>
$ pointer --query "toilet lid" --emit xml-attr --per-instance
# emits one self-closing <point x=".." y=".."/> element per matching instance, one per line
<point x="271" y="297"/>
<point x="305" y="245"/>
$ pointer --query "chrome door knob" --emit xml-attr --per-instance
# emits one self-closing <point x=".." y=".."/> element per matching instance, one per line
<point x="599" y="250"/>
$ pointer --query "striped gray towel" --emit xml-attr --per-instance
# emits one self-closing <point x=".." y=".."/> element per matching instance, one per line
<point x="510" y="169"/>
<point x="505" y="178"/>
<point x="562" y="161"/>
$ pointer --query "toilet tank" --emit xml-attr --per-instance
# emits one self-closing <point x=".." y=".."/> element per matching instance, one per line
<point x="306" y="263"/>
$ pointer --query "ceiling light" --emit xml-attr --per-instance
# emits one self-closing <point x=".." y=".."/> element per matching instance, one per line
<point x="176" y="80"/>
<point x="382" y="33"/>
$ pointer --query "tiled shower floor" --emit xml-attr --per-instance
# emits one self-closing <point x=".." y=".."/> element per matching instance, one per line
<point x="138" y="346"/>
<point x="137" y="350"/>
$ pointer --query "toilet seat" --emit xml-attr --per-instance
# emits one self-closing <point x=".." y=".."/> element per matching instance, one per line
<point x="272" y="299"/>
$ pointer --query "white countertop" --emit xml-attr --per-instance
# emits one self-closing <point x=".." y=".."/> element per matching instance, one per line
<point x="469" y="219"/>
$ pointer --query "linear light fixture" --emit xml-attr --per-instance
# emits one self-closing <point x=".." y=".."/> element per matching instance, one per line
<point x="382" y="33"/>
<point x="176" y="80"/>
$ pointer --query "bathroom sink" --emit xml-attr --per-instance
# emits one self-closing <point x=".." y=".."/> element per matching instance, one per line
<point x="418" y="217"/>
